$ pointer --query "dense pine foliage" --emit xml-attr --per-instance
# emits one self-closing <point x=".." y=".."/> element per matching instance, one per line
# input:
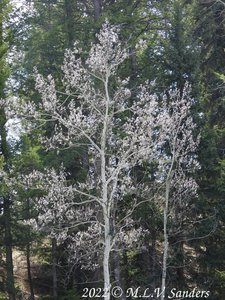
<point x="112" y="143"/>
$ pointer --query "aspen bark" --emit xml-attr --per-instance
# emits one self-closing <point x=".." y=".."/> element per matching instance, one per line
<point x="105" y="197"/>
<point x="166" y="244"/>
<point x="107" y="249"/>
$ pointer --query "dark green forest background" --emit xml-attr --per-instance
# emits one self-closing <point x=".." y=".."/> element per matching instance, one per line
<point x="185" y="42"/>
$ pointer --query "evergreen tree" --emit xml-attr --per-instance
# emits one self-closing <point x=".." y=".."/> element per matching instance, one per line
<point x="209" y="30"/>
<point x="5" y="194"/>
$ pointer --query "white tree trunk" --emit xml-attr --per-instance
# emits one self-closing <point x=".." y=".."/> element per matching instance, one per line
<point x="165" y="254"/>
<point x="105" y="197"/>
<point x="166" y="244"/>
<point x="107" y="249"/>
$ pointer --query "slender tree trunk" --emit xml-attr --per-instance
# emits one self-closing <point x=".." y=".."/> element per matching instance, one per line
<point x="106" y="205"/>
<point x="154" y="257"/>
<point x="107" y="249"/>
<point x="10" y="286"/>
<point x="54" y="270"/>
<point x="127" y="276"/>
<point x="166" y="244"/>
<point x="29" y="272"/>
<point x="180" y="269"/>
<point x="117" y="269"/>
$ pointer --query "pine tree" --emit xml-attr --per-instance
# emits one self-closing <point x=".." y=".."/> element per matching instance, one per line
<point x="6" y="197"/>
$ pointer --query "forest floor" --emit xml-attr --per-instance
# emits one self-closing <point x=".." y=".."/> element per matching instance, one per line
<point x="40" y="278"/>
